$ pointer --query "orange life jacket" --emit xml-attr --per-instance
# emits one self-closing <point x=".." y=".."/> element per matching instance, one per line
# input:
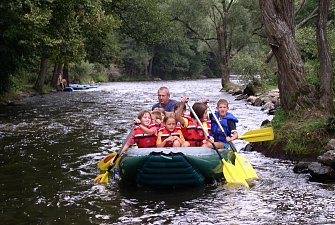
<point x="144" y="140"/>
<point x="194" y="134"/>
<point x="166" y="133"/>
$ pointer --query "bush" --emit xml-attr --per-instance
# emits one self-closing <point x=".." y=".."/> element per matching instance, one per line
<point x="81" y="72"/>
<point x="21" y="80"/>
<point x="302" y="137"/>
<point x="99" y="77"/>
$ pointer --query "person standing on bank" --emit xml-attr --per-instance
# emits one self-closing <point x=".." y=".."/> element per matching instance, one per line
<point x="164" y="101"/>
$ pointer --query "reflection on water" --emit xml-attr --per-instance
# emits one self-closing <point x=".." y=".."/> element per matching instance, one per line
<point x="51" y="144"/>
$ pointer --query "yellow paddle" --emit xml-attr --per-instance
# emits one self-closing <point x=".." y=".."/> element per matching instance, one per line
<point x="105" y="162"/>
<point x="103" y="178"/>
<point x="231" y="173"/>
<point x="240" y="162"/>
<point x="263" y="134"/>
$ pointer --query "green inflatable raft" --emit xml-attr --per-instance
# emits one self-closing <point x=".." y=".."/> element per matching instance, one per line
<point x="172" y="167"/>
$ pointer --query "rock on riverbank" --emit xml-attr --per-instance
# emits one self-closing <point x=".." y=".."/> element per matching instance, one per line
<point x="268" y="101"/>
<point x="321" y="168"/>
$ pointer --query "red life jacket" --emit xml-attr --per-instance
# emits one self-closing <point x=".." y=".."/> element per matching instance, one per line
<point x="144" y="140"/>
<point x="166" y="133"/>
<point x="194" y="134"/>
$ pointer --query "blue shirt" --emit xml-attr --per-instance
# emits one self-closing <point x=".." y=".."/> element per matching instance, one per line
<point x="167" y="108"/>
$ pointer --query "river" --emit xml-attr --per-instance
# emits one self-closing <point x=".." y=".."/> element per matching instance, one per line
<point x="50" y="145"/>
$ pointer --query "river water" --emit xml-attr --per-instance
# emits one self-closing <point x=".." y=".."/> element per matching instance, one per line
<point x="50" y="145"/>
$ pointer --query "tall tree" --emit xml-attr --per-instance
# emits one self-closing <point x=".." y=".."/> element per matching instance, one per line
<point x="295" y="93"/>
<point x="326" y="79"/>
<point x="219" y="25"/>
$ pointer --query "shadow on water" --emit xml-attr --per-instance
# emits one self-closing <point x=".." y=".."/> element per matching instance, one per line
<point x="51" y="144"/>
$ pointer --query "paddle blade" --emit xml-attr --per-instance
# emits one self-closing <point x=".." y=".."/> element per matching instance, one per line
<point x="106" y="162"/>
<point x="263" y="134"/>
<point x="245" y="166"/>
<point x="233" y="174"/>
<point x="102" y="178"/>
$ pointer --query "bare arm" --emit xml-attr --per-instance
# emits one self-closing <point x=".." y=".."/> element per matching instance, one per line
<point x="235" y="136"/>
<point x="180" y="111"/>
<point x="148" y="130"/>
<point x="125" y="148"/>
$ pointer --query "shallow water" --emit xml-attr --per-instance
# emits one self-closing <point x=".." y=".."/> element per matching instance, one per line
<point x="51" y="144"/>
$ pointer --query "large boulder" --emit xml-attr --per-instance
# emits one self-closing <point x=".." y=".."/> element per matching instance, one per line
<point x="328" y="158"/>
<point x="249" y="89"/>
<point x="330" y="145"/>
<point x="320" y="172"/>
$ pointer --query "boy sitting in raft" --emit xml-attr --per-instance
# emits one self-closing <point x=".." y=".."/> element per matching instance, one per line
<point x="171" y="135"/>
<point x="228" y="122"/>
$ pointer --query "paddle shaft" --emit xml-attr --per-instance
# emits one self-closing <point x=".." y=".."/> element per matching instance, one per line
<point x="231" y="174"/>
<point x="206" y="133"/>
<point x="219" y="124"/>
<point x="123" y="144"/>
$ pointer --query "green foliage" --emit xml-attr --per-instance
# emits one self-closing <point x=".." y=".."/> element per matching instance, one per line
<point x="180" y="59"/>
<point x="145" y="21"/>
<point x="99" y="73"/>
<point x="306" y="41"/>
<point x="21" y="80"/>
<point x="250" y="67"/>
<point x="330" y="124"/>
<point x="99" y="77"/>
<point x="134" y="58"/>
<point x="302" y="137"/>
<point x="80" y="72"/>
<point x="84" y="72"/>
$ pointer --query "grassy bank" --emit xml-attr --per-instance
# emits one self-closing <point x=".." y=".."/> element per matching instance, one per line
<point x="298" y="138"/>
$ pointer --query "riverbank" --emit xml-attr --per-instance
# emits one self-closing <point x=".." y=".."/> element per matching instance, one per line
<point x="307" y="141"/>
<point x="11" y="97"/>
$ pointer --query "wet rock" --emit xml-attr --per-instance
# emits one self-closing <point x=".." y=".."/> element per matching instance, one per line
<point x="258" y="102"/>
<point x="328" y="158"/>
<point x="251" y="99"/>
<point x="301" y="167"/>
<point x="230" y="91"/>
<point x="272" y="111"/>
<point x="238" y="92"/>
<point x="320" y="172"/>
<point x="265" y="122"/>
<point x="249" y="148"/>
<point x="330" y="145"/>
<point x="268" y="106"/>
<point x="249" y="90"/>
<point x="241" y="97"/>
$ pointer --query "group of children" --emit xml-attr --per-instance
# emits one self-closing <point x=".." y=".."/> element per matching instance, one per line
<point x="179" y="129"/>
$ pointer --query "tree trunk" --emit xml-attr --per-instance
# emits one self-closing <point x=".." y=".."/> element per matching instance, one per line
<point x="278" y="17"/>
<point x="57" y="70"/>
<point x="42" y="74"/>
<point x="223" y="53"/>
<point x="66" y="73"/>
<point x="326" y="79"/>
<point x="224" y="74"/>
<point x="150" y="66"/>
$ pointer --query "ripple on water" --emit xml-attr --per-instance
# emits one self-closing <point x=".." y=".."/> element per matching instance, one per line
<point x="51" y="146"/>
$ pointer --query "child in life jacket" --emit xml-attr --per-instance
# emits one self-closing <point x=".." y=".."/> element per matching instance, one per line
<point x="228" y="122"/>
<point x="156" y="118"/>
<point x="192" y="131"/>
<point x="171" y="135"/>
<point x="144" y="134"/>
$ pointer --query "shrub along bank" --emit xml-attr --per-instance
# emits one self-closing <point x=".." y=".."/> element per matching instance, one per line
<point x="307" y="140"/>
